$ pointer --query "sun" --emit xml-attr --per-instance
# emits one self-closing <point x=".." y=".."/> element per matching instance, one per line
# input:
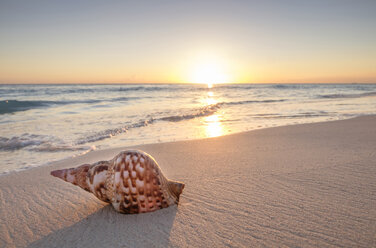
<point x="209" y="72"/>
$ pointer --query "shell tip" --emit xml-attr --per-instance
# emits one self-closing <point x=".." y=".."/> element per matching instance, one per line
<point x="58" y="173"/>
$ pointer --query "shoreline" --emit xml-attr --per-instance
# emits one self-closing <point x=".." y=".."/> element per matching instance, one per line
<point x="296" y="185"/>
<point x="37" y="128"/>
<point x="91" y="150"/>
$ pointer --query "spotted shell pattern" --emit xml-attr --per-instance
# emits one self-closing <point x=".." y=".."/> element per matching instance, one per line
<point x="132" y="182"/>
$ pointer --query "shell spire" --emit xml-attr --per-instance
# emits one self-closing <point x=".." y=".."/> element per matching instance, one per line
<point x="132" y="182"/>
<point x="76" y="176"/>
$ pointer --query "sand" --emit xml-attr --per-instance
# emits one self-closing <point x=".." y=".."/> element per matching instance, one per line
<point x="309" y="185"/>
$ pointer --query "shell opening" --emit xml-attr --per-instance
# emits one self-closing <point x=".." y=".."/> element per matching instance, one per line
<point x="176" y="188"/>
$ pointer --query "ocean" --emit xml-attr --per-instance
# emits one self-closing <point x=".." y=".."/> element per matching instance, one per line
<point x="40" y="124"/>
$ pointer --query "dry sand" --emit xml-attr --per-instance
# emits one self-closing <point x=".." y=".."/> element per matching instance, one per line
<point x="311" y="185"/>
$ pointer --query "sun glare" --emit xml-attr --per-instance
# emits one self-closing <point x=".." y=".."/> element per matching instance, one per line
<point x="210" y="72"/>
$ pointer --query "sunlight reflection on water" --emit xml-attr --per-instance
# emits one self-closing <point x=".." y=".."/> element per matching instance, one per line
<point x="213" y="126"/>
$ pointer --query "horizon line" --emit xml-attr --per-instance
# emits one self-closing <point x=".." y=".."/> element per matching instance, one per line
<point x="158" y="83"/>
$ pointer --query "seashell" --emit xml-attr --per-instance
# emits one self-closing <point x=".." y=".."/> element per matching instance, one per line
<point x="132" y="182"/>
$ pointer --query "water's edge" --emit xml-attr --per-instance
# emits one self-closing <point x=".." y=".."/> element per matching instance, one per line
<point x="86" y="153"/>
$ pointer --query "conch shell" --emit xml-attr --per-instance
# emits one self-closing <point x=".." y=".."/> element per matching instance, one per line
<point x="132" y="182"/>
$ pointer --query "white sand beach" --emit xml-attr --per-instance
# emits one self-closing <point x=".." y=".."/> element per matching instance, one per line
<point x="309" y="185"/>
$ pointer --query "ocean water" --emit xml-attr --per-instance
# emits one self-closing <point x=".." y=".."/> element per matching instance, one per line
<point x="44" y="123"/>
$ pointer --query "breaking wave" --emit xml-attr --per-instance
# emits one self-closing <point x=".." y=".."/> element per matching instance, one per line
<point x="205" y="111"/>
<point x="335" y="96"/>
<point x="39" y="143"/>
<point x="251" y="101"/>
<point x="292" y="116"/>
<point x="195" y="113"/>
<point x="108" y="133"/>
<point x="11" y="106"/>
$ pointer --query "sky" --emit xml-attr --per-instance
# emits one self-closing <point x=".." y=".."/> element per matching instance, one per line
<point x="160" y="41"/>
